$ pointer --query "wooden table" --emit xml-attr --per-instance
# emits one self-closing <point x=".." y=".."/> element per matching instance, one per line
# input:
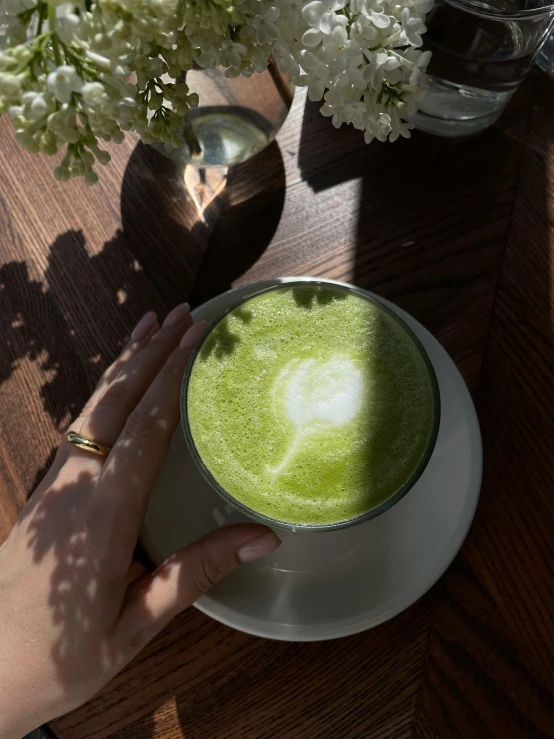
<point x="458" y="233"/>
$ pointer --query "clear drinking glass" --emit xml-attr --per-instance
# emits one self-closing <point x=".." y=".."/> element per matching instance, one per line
<point x="261" y="518"/>
<point x="236" y="117"/>
<point x="481" y="53"/>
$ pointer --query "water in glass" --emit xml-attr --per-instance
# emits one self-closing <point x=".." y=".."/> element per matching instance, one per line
<point x="481" y="53"/>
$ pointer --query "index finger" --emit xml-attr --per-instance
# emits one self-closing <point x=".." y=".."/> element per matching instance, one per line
<point x="136" y="458"/>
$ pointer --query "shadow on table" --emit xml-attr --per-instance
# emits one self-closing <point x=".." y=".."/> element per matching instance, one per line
<point x="144" y="266"/>
<point x="74" y="320"/>
<point x="459" y="234"/>
<point x="196" y="232"/>
<point x="174" y="246"/>
<point x="433" y="214"/>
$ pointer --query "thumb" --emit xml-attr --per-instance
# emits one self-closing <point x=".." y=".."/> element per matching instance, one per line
<point x="154" y="599"/>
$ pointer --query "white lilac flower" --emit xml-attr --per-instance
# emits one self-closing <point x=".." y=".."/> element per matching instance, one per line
<point x="36" y="106"/>
<point x="287" y="63"/>
<point x="68" y="25"/>
<point x="290" y="13"/>
<point x="10" y="86"/>
<point x="416" y="62"/>
<point x="64" y="124"/>
<point x="12" y="32"/>
<point x="259" y="59"/>
<point x="342" y="110"/>
<point x="232" y="55"/>
<point x="206" y="47"/>
<point x="264" y="25"/>
<point x="16" y="113"/>
<point x="338" y="49"/>
<point x="106" y="65"/>
<point x="27" y="140"/>
<point x="379" y="19"/>
<point x="321" y="16"/>
<point x="317" y="77"/>
<point x="63" y="82"/>
<point x="94" y="94"/>
<point x="377" y="127"/>
<point x="6" y="62"/>
<point x="381" y="64"/>
<point x="412" y="28"/>
<point x="364" y="31"/>
<point x="15" y="7"/>
<point x="366" y="7"/>
<point x="156" y="67"/>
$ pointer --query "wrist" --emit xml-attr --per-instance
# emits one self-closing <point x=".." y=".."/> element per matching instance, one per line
<point x="17" y="719"/>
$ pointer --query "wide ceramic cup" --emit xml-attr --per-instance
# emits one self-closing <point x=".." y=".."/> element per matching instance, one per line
<point x="332" y="399"/>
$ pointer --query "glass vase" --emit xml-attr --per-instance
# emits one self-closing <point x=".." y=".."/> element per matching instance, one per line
<point x="545" y="59"/>
<point x="236" y="117"/>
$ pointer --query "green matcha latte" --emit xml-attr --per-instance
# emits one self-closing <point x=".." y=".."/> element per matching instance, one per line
<point x="311" y="405"/>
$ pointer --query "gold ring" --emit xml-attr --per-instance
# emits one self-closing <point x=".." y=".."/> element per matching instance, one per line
<point x="88" y="445"/>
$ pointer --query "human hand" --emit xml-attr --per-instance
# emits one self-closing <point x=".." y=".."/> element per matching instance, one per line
<point x="74" y="606"/>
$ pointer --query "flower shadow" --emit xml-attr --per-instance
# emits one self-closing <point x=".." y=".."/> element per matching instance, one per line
<point x="69" y="322"/>
<point x="308" y="297"/>
<point x="221" y="341"/>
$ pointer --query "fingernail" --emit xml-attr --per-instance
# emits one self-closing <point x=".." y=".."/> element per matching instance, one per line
<point x="258" y="547"/>
<point x="175" y="316"/>
<point x="153" y="331"/>
<point x="192" y="335"/>
<point x="145" y="324"/>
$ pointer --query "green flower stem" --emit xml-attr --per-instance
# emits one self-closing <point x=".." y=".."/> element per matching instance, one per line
<point x="282" y="88"/>
<point x="390" y="94"/>
<point x="55" y="41"/>
<point x="191" y="139"/>
<point x="42" y="13"/>
<point x="81" y="64"/>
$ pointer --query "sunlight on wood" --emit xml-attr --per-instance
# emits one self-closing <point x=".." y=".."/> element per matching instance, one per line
<point x="204" y="186"/>
<point x="165" y="717"/>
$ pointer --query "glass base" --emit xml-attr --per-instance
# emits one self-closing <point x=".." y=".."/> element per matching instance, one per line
<point x="225" y="135"/>
<point x="453" y="110"/>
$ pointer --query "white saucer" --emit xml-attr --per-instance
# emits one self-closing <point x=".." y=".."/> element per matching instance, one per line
<point x="325" y="585"/>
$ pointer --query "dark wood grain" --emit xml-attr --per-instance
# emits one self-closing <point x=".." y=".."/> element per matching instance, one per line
<point x="459" y="234"/>
<point x="493" y="641"/>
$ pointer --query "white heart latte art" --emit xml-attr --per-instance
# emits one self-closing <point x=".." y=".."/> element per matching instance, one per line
<point x="313" y="394"/>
